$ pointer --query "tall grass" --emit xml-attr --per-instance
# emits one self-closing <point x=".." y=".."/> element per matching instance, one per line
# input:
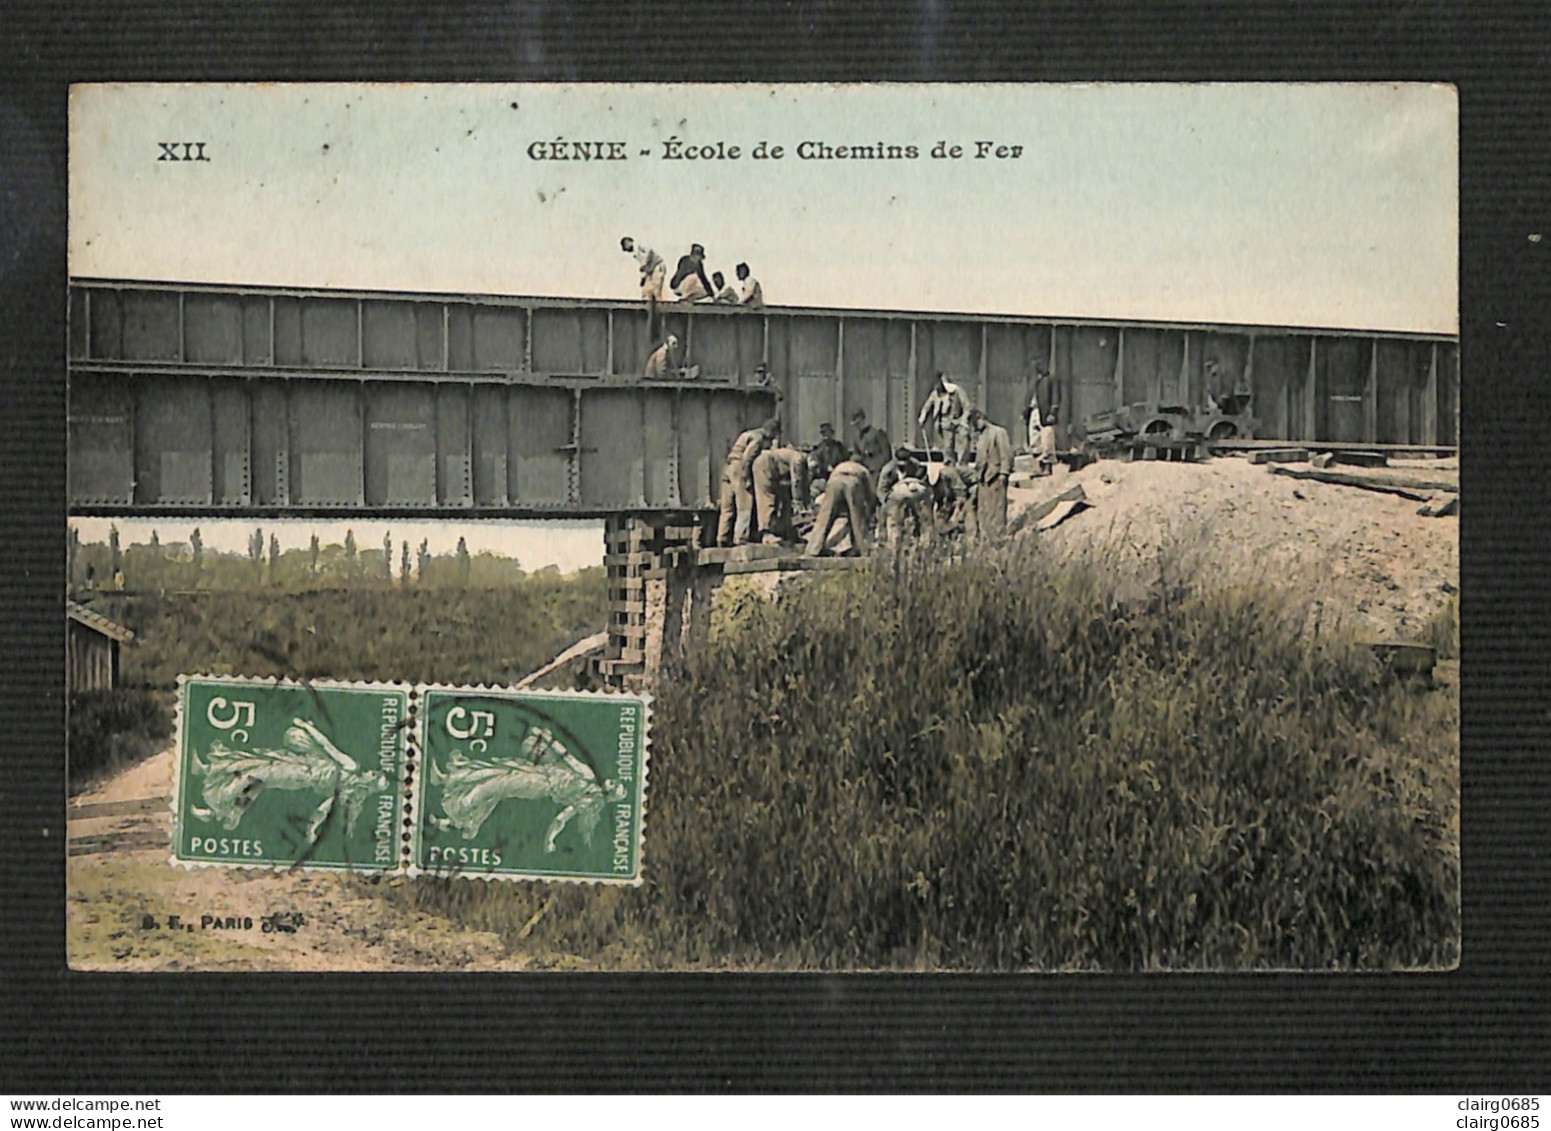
<point x="1004" y="762"/>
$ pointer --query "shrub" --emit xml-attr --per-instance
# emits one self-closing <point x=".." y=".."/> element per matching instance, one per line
<point x="1008" y="763"/>
<point x="109" y="730"/>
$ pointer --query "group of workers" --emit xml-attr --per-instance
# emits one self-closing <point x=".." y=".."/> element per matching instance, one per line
<point x="767" y="485"/>
<point x="690" y="283"/>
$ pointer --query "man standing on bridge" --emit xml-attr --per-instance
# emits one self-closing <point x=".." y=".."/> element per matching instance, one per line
<point x="653" y="269"/>
<point x="848" y="499"/>
<point x="1041" y="415"/>
<point x="943" y="419"/>
<point x="737" y="498"/>
<point x="993" y="464"/>
<point x="780" y="486"/>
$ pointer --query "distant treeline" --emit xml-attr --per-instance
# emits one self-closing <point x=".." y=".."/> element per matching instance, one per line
<point x="182" y="566"/>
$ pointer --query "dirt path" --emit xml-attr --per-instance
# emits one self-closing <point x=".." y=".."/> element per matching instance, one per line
<point x="122" y="893"/>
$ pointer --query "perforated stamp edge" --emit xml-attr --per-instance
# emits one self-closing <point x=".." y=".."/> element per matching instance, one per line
<point x="643" y="745"/>
<point x="411" y="740"/>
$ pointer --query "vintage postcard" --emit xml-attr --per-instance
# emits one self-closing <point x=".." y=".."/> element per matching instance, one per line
<point x="763" y="528"/>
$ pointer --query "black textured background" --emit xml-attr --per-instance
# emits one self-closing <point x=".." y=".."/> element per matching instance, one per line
<point x="1486" y="1027"/>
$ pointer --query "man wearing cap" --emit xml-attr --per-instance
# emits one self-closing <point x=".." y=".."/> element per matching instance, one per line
<point x="988" y="477"/>
<point x="689" y="282"/>
<point x="780" y="486"/>
<point x="943" y="419"/>
<point x="846" y="510"/>
<point x="662" y="361"/>
<point x="826" y="453"/>
<point x="903" y="488"/>
<point x="737" y="497"/>
<point x="871" y="447"/>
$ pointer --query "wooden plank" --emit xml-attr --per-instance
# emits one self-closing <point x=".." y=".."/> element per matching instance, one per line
<point x="1340" y="446"/>
<point x="1405" y="488"/>
<point x="1038" y="511"/>
<point x="1279" y="455"/>
<point x="635" y="558"/>
<point x="1360" y="459"/>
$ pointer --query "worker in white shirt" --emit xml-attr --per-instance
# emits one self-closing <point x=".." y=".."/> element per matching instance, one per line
<point x="750" y="293"/>
<point x="944" y="419"/>
<point x="726" y="293"/>
<point x="654" y="269"/>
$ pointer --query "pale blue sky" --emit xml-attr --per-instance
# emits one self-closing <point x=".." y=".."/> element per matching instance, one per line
<point x="1280" y="204"/>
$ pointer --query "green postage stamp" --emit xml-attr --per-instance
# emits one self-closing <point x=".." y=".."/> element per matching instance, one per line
<point x="478" y="782"/>
<point x="543" y="784"/>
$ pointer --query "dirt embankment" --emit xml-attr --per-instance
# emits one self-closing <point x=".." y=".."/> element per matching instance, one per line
<point x="1367" y="556"/>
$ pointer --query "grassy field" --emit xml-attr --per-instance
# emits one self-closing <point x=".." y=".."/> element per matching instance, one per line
<point x="1003" y="763"/>
<point x="477" y="635"/>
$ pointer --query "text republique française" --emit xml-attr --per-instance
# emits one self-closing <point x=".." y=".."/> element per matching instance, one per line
<point x="673" y="149"/>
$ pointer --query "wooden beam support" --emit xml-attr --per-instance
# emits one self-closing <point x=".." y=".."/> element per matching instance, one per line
<point x="1403" y="487"/>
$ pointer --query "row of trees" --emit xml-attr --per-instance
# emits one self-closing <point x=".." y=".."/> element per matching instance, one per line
<point x="158" y="566"/>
